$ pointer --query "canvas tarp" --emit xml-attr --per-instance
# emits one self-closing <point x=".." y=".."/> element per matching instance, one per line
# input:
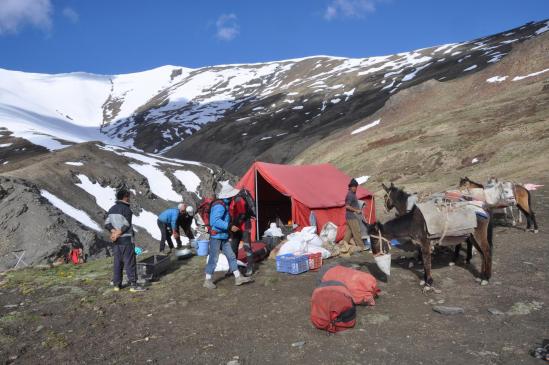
<point x="318" y="188"/>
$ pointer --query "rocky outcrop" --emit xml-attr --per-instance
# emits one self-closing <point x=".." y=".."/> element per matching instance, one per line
<point x="32" y="227"/>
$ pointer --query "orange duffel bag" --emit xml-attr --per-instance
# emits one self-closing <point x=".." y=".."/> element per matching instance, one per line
<point x="361" y="285"/>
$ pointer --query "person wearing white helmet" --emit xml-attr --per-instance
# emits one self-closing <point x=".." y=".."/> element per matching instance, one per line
<point x="185" y="221"/>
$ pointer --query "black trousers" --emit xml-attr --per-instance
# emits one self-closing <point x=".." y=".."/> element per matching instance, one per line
<point x="124" y="258"/>
<point x="166" y="236"/>
<point x="238" y="236"/>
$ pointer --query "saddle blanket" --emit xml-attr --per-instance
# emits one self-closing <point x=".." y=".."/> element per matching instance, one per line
<point x="450" y="219"/>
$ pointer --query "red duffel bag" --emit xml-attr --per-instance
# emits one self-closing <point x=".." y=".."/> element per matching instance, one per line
<point x="361" y="285"/>
<point x="332" y="307"/>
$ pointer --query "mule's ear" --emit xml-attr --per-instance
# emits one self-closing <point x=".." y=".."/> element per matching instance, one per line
<point x="384" y="187"/>
<point x="392" y="185"/>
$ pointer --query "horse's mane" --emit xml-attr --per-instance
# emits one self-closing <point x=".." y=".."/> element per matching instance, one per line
<point x="401" y="195"/>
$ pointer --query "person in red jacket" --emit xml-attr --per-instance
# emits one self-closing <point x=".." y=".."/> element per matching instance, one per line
<point x="241" y="219"/>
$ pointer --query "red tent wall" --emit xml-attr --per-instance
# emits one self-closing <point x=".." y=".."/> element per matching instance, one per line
<point x="321" y="188"/>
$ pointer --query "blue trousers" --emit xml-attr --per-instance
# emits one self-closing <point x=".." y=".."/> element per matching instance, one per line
<point x="124" y="258"/>
<point x="215" y="246"/>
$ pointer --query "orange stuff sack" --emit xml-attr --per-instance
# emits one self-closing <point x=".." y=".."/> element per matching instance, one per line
<point x="361" y="285"/>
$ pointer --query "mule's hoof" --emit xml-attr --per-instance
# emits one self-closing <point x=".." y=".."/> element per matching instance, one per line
<point x="536" y="231"/>
<point x="452" y="264"/>
<point x="513" y="224"/>
<point x="484" y="282"/>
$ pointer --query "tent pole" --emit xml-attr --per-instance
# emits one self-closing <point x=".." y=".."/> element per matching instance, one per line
<point x="256" y="209"/>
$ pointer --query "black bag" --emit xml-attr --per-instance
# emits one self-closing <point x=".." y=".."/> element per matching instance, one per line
<point x="250" y="203"/>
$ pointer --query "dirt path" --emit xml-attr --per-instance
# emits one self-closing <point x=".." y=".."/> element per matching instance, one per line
<point x="69" y="315"/>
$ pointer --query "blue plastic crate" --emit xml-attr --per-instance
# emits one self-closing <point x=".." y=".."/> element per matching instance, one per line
<point x="291" y="264"/>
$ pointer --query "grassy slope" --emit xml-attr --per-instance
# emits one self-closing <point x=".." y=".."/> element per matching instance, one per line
<point x="429" y="134"/>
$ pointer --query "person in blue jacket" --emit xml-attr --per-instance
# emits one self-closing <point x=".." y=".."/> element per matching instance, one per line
<point x="219" y="237"/>
<point x="168" y="224"/>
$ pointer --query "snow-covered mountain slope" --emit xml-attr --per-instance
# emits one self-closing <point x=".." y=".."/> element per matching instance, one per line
<point x="57" y="199"/>
<point x="156" y="110"/>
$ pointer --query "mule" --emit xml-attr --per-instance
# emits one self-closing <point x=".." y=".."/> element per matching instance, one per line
<point x="523" y="200"/>
<point x="399" y="200"/>
<point x="412" y="225"/>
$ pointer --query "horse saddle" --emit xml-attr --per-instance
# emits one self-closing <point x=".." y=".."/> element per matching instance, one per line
<point x="449" y="219"/>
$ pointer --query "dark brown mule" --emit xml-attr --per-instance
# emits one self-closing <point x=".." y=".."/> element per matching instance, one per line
<point x="398" y="199"/>
<point x="522" y="197"/>
<point x="412" y="225"/>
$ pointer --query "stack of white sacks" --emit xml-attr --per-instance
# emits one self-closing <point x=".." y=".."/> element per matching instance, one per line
<point x="306" y="241"/>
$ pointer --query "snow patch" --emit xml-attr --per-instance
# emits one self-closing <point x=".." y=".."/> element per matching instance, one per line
<point x="74" y="163"/>
<point x="470" y="68"/>
<point x="518" y="78"/>
<point x="367" y="126"/>
<point x="497" y="79"/>
<point x="543" y="29"/>
<point x="147" y="220"/>
<point x="335" y="101"/>
<point x="362" y="179"/>
<point x="4" y="145"/>
<point x="411" y="75"/>
<point x="349" y="93"/>
<point x="474" y="160"/>
<point x="159" y="183"/>
<point x="77" y="214"/>
<point x="105" y="196"/>
<point x="189" y="179"/>
<point x="265" y="138"/>
<point x="299" y="107"/>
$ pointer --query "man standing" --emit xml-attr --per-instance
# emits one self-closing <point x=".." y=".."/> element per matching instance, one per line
<point x="352" y="212"/>
<point x="119" y="223"/>
<point x="219" y="237"/>
<point x="168" y="224"/>
<point x="241" y="218"/>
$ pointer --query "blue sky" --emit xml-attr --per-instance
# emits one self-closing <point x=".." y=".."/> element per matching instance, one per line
<point x="120" y="36"/>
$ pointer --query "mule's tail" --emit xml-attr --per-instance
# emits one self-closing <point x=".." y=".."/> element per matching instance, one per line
<point x="490" y="232"/>
<point x="529" y="200"/>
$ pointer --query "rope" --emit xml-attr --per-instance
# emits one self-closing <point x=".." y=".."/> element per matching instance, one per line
<point x="445" y="230"/>
<point x="381" y="239"/>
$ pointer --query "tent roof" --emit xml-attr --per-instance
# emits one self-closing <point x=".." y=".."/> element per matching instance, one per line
<point x="316" y="186"/>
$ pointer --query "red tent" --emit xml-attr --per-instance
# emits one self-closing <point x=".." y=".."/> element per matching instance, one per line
<point x="291" y="192"/>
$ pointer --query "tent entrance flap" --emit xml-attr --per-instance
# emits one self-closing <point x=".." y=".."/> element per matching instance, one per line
<point x="271" y="205"/>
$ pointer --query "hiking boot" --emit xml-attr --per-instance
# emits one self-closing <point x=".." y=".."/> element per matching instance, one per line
<point x="209" y="284"/>
<point x="250" y="266"/>
<point x="136" y="288"/>
<point x="242" y="280"/>
<point x="249" y="270"/>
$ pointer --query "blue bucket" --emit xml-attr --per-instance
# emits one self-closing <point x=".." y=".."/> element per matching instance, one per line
<point x="202" y="249"/>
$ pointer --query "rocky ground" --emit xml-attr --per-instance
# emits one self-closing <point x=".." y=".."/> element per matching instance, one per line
<point x="70" y="315"/>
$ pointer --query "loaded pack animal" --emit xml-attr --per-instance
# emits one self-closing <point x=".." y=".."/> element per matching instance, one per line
<point x="413" y="225"/>
<point x="522" y="199"/>
<point x="403" y="203"/>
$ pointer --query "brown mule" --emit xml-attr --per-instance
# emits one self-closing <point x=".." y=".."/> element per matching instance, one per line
<point x="398" y="199"/>
<point x="412" y="225"/>
<point x="522" y="197"/>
